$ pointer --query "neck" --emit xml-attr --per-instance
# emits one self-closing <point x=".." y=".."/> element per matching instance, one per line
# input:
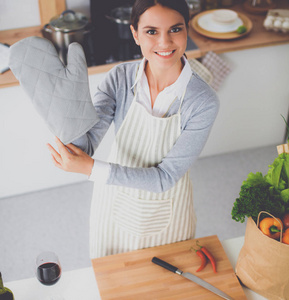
<point x="159" y="79"/>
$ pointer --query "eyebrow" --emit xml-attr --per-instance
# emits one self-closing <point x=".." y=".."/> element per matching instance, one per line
<point x="153" y="27"/>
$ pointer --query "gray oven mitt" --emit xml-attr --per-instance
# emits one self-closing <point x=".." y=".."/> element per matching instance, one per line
<point x="59" y="93"/>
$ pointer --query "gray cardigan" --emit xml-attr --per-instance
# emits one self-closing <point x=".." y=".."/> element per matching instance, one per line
<point x="112" y="100"/>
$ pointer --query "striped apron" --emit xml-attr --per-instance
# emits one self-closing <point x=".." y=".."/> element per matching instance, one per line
<point x="124" y="219"/>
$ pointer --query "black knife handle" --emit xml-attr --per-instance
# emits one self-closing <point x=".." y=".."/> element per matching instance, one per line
<point x="164" y="264"/>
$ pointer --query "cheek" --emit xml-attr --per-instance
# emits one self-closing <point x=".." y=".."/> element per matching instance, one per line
<point x="184" y="37"/>
<point x="182" y="41"/>
<point x="145" y="43"/>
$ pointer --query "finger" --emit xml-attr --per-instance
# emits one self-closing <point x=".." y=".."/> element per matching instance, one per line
<point x="61" y="147"/>
<point x="54" y="153"/>
<point x="56" y="163"/>
<point x="73" y="148"/>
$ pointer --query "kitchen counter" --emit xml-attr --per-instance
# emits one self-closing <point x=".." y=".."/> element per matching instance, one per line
<point x="80" y="284"/>
<point x="258" y="37"/>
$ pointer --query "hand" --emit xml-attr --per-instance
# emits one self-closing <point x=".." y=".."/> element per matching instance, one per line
<point x="70" y="158"/>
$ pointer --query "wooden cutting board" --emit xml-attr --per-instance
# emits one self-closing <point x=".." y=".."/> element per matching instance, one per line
<point x="132" y="275"/>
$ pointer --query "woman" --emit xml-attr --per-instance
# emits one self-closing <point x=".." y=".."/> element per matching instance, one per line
<point x="163" y="113"/>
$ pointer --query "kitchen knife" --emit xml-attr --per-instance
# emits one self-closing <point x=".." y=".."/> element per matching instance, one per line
<point x="191" y="277"/>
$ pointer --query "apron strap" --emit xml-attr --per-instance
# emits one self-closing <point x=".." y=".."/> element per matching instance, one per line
<point x="182" y="99"/>
<point x="135" y="85"/>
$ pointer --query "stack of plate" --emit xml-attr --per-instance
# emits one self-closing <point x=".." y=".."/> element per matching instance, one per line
<point x="221" y="23"/>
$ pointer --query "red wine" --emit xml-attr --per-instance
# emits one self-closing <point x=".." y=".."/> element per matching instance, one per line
<point x="48" y="273"/>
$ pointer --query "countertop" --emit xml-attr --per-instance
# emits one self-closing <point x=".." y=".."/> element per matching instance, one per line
<point x="81" y="284"/>
<point x="258" y="37"/>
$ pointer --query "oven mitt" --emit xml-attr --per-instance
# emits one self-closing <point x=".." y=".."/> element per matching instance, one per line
<point x="59" y="93"/>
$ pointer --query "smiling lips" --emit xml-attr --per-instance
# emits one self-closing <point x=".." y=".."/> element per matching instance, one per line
<point x="165" y="53"/>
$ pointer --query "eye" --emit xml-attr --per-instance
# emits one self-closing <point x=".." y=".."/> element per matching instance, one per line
<point x="151" y="32"/>
<point x="176" y="29"/>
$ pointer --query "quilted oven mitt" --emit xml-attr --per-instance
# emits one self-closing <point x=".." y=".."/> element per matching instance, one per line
<point x="59" y="93"/>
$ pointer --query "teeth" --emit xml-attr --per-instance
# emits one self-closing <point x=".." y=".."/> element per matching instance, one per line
<point x="165" y="53"/>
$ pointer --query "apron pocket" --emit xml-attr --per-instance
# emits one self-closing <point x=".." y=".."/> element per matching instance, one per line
<point x="141" y="217"/>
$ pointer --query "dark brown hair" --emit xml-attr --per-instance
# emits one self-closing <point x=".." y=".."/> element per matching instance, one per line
<point x="140" y="6"/>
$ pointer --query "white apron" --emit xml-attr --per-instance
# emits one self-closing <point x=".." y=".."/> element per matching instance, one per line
<point x="124" y="219"/>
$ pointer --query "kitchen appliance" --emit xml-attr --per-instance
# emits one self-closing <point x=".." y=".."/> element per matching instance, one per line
<point x="112" y="39"/>
<point x="191" y="277"/>
<point x="66" y="28"/>
<point x="121" y="17"/>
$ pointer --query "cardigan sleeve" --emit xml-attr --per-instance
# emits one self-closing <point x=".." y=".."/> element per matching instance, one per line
<point x="179" y="159"/>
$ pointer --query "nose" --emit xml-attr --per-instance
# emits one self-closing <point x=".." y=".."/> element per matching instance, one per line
<point x="165" y="39"/>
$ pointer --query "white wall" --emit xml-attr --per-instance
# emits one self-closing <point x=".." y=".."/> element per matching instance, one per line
<point x="25" y="162"/>
<point x="252" y="98"/>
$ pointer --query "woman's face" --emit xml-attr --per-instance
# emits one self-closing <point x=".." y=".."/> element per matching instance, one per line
<point x="162" y="36"/>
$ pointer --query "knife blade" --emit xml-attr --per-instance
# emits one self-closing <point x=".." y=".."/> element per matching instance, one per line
<point x="191" y="277"/>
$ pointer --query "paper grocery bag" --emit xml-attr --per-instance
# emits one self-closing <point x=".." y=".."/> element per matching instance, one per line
<point x="263" y="264"/>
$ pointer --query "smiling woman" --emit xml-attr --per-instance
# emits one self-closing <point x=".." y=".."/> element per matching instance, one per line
<point x="163" y="113"/>
<point x="162" y="35"/>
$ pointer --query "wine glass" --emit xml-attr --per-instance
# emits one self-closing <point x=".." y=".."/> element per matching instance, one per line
<point x="48" y="269"/>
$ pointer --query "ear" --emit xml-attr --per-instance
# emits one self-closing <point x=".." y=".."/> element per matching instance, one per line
<point x="134" y="34"/>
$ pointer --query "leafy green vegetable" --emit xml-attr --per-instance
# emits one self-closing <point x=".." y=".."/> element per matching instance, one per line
<point x="255" y="196"/>
<point x="269" y="192"/>
<point x="274" y="173"/>
<point x="285" y="195"/>
<point x="278" y="173"/>
<point x="285" y="170"/>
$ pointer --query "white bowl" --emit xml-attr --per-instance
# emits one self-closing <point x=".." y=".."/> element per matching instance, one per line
<point x="224" y="16"/>
<point x="206" y="22"/>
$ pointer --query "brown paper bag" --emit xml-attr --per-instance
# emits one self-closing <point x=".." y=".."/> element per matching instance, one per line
<point x="263" y="264"/>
